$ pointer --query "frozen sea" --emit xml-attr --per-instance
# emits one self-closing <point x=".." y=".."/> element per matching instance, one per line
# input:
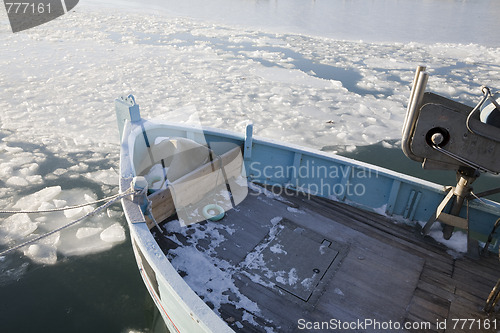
<point x="333" y="75"/>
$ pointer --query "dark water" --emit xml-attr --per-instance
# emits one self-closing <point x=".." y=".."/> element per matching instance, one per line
<point x="95" y="293"/>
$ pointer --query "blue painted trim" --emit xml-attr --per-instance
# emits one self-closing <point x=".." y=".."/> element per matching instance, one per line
<point x="247" y="148"/>
<point x="126" y="110"/>
<point x="345" y="179"/>
<point x="294" y="178"/>
<point x="406" y="213"/>
<point x="415" y="205"/>
<point x="396" y="184"/>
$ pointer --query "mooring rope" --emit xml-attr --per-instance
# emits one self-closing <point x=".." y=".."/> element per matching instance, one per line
<point x="52" y="210"/>
<point x="111" y="201"/>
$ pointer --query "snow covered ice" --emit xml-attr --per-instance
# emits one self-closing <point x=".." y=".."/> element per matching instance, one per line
<point x="59" y="141"/>
<point x="79" y="65"/>
<point x="93" y="235"/>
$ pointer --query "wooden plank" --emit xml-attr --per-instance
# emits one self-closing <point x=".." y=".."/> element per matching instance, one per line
<point x="433" y="303"/>
<point x="227" y="158"/>
<point x="372" y="284"/>
<point x="377" y="226"/>
<point x="480" y="300"/>
<point x="438" y="279"/>
<point x="162" y="206"/>
<point x="465" y="310"/>
<point x="162" y="201"/>
<point x="196" y="187"/>
<point x="435" y="290"/>
<point x="475" y="284"/>
<point x="490" y="269"/>
<point x="421" y="310"/>
<point x="441" y="266"/>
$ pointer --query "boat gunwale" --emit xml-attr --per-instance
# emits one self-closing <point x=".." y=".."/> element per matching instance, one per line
<point x="166" y="274"/>
<point x="483" y="204"/>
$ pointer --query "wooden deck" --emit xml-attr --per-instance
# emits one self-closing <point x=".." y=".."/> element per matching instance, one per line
<point x="314" y="263"/>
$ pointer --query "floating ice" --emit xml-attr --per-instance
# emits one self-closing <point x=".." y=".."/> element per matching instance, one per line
<point x="59" y="203"/>
<point x="33" y="201"/>
<point x="87" y="232"/>
<point x="17" y="181"/>
<point x="46" y="206"/>
<point x="93" y="235"/>
<point x="44" y="251"/>
<point x="16" y="227"/>
<point x="113" y="234"/>
<point x="84" y="246"/>
<point x="228" y="75"/>
<point x="292" y="77"/>
<point x="108" y="177"/>
<point x="112" y="214"/>
<point x="8" y="274"/>
<point x="74" y="213"/>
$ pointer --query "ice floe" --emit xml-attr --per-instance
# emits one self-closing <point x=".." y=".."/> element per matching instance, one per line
<point x="16" y="227"/>
<point x="113" y="234"/>
<point x="96" y="234"/>
<point x="57" y="124"/>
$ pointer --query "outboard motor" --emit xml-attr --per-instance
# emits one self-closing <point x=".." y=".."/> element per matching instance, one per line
<point x="444" y="134"/>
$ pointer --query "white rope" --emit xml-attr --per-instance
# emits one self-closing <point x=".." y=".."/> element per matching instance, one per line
<point x="52" y="210"/>
<point x="115" y="198"/>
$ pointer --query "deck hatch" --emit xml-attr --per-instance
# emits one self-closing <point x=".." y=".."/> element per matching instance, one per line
<point x="293" y="261"/>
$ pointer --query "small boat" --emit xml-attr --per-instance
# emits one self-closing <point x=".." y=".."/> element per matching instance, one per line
<point x="233" y="232"/>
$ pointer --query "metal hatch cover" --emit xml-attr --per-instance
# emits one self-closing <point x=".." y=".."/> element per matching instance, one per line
<point x="292" y="260"/>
